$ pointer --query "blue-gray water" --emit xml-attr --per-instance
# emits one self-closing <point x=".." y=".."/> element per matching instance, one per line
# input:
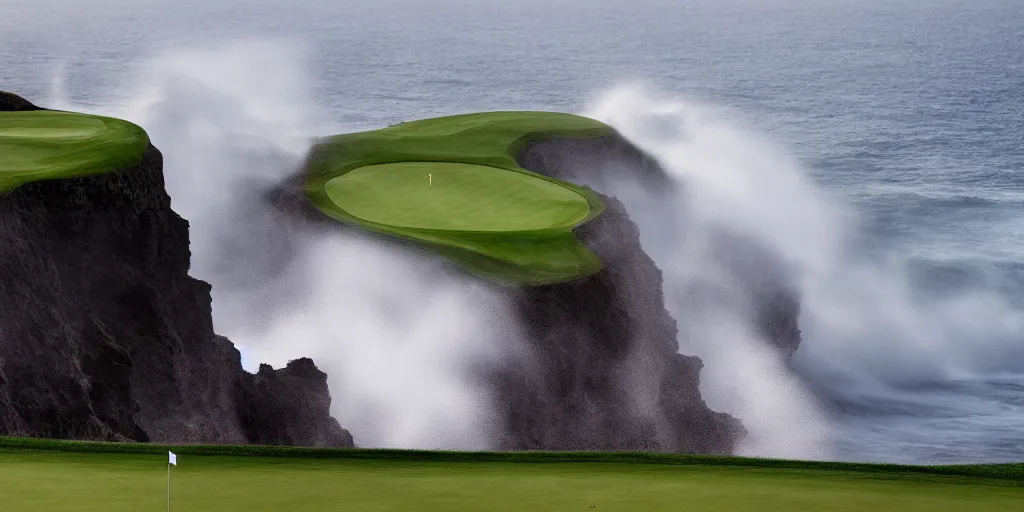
<point x="912" y="112"/>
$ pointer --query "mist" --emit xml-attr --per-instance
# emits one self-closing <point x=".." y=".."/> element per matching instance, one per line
<point x="734" y="192"/>
<point x="401" y="334"/>
<point x="867" y="331"/>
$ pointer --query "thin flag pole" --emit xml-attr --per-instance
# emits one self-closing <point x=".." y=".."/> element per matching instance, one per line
<point x="172" y="460"/>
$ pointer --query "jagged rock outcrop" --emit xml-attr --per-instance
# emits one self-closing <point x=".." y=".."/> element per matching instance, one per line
<point x="10" y="102"/>
<point x="282" y="406"/>
<point x="104" y="335"/>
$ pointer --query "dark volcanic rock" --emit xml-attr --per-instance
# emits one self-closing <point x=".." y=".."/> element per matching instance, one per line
<point x="104" y="335"/>
<point x="14" y="103"/>
<point x="286" y="407"/>
<point x="767" y="286"/>
<point x="602" y="368"/>
<point x="604" y="371"/>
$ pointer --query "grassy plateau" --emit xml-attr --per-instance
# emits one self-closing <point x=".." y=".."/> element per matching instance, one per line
<point x="49" y="144"/>
<point x="452" y="184"/>
<point x="38" y="475"/>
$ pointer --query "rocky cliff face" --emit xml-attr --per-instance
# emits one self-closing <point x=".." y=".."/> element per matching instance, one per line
<point x="103" y="334"/>
<point x="604" y="370"/>
<point x="601" y="369"/>
<point x="766" y="285"/>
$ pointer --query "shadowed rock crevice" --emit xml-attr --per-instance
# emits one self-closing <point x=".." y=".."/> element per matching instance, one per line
<point x="104" y="335"/>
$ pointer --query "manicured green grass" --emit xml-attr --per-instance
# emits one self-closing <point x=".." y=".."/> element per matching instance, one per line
<point x="49" y="144"/>
<point x="111" y="482"/>
<point x="453" y="185"/>
<point x="1009" y="472"/>
<point x="459" y="197"/>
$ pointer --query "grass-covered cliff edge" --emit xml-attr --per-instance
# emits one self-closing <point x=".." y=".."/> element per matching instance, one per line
<point x="453" y="184"/>
<point x="39" y="145"/>
<point x="103" y="334"/>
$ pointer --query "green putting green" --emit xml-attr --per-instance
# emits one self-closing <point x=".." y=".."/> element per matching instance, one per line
<point x="50" y="144"/>
<point x="461" y="197"/>
<point x="453" y="185"/>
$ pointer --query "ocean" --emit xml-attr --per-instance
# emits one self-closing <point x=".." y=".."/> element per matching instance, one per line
<point x="877" y="145"/>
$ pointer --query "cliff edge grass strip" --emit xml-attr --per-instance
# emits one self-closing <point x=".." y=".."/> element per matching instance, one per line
<point x="453" y="184"/>
<point x="50" y="144"/>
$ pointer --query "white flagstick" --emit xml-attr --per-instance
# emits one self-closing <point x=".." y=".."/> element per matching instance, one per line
<point x="172" y="460"/>
<point x="430" y="180"/>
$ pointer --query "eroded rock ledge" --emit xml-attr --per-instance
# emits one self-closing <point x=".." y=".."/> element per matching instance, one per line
<point x="104" y="335"/>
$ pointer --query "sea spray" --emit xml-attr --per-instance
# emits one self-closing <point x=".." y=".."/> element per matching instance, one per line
<point x="398" y="333"/>
<point x="730" y="186"/>
<point x="869" y="332"/>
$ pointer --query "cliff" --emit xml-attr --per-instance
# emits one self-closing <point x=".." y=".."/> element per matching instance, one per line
<point x="602" y="369"/>
<point x="104" y="335"/>
<point x="606" y="372"/>
<point x="603" y="165"/>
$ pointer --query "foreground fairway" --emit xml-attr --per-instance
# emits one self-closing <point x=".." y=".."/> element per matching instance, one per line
<point x="46" y="144"/>
<point x="453" y="185"/>
<point x="86" y="482"/>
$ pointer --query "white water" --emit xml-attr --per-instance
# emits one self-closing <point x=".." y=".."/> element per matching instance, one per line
<point x="732" y="180"/>
<point x="865" y="330"/>
<point x="399" y="336"/>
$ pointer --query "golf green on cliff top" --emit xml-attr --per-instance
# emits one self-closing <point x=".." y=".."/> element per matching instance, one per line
<point x="48" y="144"/>
<point x="453" y="184"/>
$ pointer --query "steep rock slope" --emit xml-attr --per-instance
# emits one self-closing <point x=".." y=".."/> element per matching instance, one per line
<point x="602" y="368"/>
<point x="604" y="371"/>
<point x="600" y="165"/>
<point x="104" y="335"/>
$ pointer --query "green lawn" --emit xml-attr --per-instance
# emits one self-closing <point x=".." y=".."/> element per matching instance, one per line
<point x="48" y="144"/>
<point x="452" y="184"/>
<point x="111" y="482"/>
<point x="459" y="197"/>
